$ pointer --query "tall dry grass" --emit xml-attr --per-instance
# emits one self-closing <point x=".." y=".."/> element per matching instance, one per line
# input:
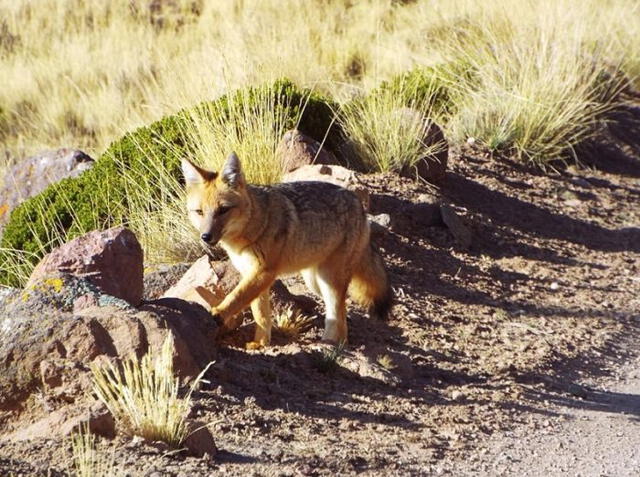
<point x="81" y="72"/>
<point x="144" y="395"/>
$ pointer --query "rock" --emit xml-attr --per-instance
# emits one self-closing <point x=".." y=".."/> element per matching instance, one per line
<point x="67" y="420"/>
<point x="206" y="283"/>
<point x="159" y="278"/>
<point x="200" y="441"/>
<point x="32" y="175"/>
<point x="334" y="174"/>
<point x="433" y="166"/>
<point x="296" y="150"/>
<point x="47" y="346"/>
<point x="112" y="260"/>
<point x="405" y="217"/>
<point x="456" y="226"/>
<point x="383" y="220"/>
<point x="200" y="284"/>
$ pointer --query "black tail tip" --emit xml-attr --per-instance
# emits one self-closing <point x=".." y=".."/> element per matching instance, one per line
<point x="381" y="308"/>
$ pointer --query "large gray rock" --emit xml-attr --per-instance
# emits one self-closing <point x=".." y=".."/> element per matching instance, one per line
<point x="32" y="175"/>
<point x="112" y="260"/>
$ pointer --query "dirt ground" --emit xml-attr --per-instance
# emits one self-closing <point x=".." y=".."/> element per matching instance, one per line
<point x="491" y="349"/>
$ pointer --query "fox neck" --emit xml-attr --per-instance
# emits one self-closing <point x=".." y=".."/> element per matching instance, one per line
<point x="255" y="223"/>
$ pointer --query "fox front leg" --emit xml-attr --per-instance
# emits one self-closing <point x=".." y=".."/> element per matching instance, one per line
<point x="261" y="310"/>
<point x="250" y="287"/>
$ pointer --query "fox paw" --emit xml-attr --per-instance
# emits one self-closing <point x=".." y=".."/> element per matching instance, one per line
<point x="253" y="345"/>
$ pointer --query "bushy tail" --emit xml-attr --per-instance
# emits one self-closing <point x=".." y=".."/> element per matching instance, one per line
<point x="370" y="285"/>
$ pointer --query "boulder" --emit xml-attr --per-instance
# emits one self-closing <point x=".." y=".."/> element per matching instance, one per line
<point x="296" y="150"/>
<point x="334" y="174"/>
<point x="112" y="260"/>
<point x="32" y="175"/>
<point x="66" y="420"/>
<point x="46" y="346"/>
<point x="200" y="441"/>
<point x="433" y="166"/>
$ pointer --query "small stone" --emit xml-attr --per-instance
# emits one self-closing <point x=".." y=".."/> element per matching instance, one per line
<point x="456" y="225"/>
<point x="554" y="286"/>
<point x="383" y="220"/>
<point x="199" y="441"/>
<point x="457" y="395"/>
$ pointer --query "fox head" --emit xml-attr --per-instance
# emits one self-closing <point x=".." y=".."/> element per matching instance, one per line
<point x="216" y="201"/>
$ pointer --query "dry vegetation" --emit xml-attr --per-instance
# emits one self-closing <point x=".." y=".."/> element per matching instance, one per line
<point x="89" y="461"/>
<point x="81" y="72"/>
<point x="529" y="78"/>
<point x="144" y="397"/>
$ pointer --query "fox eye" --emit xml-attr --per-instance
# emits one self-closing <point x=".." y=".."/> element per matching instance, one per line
<point x="223" y="209"/>
<point x="198" y="211"/>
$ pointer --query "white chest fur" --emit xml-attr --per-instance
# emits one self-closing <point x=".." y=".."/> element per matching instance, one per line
<point x="243" y="260"/>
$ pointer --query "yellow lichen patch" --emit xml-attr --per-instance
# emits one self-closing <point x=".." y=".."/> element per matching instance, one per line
<point x="55" y="283"/>
<point x="4" y="208"/>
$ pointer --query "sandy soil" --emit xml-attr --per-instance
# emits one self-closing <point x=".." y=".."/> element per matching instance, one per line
<point x="492" y="364"/>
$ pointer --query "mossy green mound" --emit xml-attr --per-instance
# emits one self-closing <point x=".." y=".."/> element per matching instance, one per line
<point x="98" y="198"/>
<point x="432" y="87"/>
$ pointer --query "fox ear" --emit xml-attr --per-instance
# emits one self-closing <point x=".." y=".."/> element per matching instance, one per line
<point x="232" y="171"/>
<point x="194" y="174"/>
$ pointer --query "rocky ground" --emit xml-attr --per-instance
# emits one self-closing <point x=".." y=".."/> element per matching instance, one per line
<point x="492" y="346"/>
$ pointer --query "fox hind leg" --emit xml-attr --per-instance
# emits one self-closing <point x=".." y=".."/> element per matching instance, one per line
<point x="333" y="285"/>
<point x="310" y="276"/>
<point x="261" y="310"/>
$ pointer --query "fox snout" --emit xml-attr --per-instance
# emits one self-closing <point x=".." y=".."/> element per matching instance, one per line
<point x="211" y="230"/>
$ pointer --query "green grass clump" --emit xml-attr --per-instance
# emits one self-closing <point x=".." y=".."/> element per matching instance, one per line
<point x="129" y="172"/>
<point x="431" y="86"/>
<point x="388" y="128"/>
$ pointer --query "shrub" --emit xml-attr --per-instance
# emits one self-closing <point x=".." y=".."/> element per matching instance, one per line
<point x="100" y="197"/>
<point x="434" y="86"/>
<point x="384" y="134"/>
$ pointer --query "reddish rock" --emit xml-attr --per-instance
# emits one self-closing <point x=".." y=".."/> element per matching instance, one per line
<point x="200" y="284"/>
<point x="296" y="150"/>
<point x="112" y="260"/>
<point x="67" y="420"/>
<point x="337" y="175"/>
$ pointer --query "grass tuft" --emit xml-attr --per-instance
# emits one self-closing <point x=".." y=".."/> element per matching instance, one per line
<point x="87" y="460"/>
<point x="291" y="322"/>
<point x="388" y="128"/>
<point x="144" y="396"/>
<point x="329" y="360"/>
